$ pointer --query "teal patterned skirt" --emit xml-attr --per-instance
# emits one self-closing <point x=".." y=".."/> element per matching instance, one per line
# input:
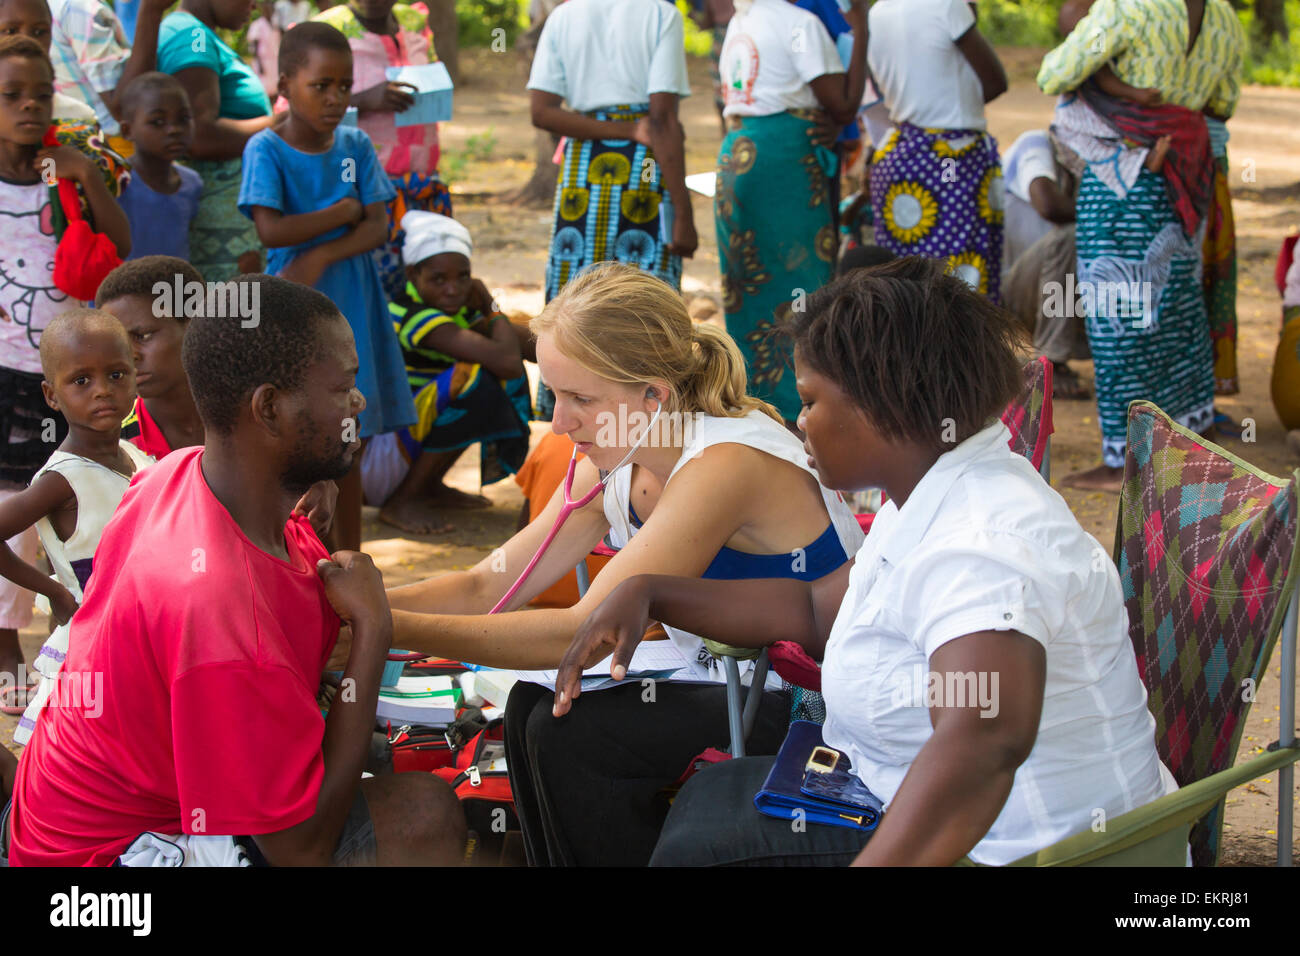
<point x="1139" y="278"/>
<point x="776" y="239"/>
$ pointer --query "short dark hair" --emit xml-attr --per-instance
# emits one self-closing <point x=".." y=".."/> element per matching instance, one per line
<point x="863" y="257"/>
<point x="305" y="36"/>
<point x="24" y="47"/>
<point x="226" y="361"/>
<point x="913" y="346"/>
<point x="64" y="328"/>
<point x="145" y="84"/>
<point x="139" y="276"/>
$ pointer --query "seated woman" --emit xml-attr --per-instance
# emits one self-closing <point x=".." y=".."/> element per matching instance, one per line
<point x="976" y="577"/>
<point x="719" y="488"/>
<point x="466" y="372"/>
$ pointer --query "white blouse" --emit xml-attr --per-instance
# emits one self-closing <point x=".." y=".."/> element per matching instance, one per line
<point x="984" y="544"/>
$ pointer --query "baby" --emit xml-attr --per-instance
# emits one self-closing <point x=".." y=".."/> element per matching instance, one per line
<point x="89" y="377"/>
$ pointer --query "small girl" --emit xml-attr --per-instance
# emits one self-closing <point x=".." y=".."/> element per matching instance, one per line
<point x="29" y="299"/>
<point x="381" y="34"/>
<point x="316" y="193"/>
<point x="90" y="378"/>
<point x="466" y="371"/>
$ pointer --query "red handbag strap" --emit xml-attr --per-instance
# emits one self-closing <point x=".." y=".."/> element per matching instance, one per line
<point x="69" y="201"/>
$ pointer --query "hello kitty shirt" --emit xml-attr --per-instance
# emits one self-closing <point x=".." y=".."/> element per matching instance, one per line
<point x="28" y="296"/>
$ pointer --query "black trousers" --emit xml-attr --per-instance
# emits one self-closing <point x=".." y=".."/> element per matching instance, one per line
<point x="713" y="823"/>
<point x="588" y="786"/>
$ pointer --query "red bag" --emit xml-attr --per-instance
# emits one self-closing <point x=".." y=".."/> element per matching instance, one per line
<point x="84" y="257"/>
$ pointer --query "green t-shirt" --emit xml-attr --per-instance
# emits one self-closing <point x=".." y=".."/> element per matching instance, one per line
<point x="185" y="41"/>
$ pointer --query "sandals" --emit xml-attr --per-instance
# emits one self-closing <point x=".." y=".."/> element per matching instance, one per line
<point x="1066" y="385"/>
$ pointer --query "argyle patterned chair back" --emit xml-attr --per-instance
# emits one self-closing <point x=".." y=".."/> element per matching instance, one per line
<point x="1206" y="548"/>
<point x="1029" y="417"/>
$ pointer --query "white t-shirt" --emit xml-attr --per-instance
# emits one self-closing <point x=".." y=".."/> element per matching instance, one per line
<point x="925" y="79"/>
<point x="29" y="299"/>
<point x="289" y="13"/>
<point x="984" y="544"/>
<point x="601" y="53"/>
<point x="772" y="51"/>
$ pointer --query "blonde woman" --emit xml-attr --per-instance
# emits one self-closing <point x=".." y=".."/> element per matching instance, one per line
<point x="720" y="489"/>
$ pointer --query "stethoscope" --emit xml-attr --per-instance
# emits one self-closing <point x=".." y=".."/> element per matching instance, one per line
<point x="567" y="508"/>
<point x="570" y="505"/>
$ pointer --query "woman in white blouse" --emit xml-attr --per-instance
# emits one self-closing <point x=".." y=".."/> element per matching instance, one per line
<point x="976" y="663"/>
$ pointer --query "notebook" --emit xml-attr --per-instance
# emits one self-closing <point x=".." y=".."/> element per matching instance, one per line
<point x="420" y="700"/>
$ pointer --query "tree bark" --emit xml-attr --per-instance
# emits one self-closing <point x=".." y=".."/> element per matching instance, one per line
<point x="446" y="35"/>
<point x="1270" y="15"/>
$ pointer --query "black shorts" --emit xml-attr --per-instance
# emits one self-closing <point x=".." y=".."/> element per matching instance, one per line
<point x="356" y="846"/>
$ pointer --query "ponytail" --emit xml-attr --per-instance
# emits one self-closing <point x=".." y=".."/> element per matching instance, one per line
<point x="628" y="326"/>
<point x="717" y="386"/>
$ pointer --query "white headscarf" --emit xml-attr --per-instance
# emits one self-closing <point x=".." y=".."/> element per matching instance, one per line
<point x="428" y="234"/>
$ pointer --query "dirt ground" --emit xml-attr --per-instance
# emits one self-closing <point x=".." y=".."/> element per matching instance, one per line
<point x="510" y="255"/>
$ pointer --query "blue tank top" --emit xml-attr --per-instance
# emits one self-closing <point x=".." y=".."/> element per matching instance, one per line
<point x="817" y="560"/>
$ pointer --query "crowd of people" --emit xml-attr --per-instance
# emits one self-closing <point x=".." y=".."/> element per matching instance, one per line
<point x="268" y="316"/>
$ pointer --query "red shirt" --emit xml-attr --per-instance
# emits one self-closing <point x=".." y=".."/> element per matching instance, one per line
<point x="188" y="697"/>
<point x="143" y="432"/>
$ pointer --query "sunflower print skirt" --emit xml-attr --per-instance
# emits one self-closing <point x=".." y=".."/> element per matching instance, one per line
<point x="938" y="193"/>
<point x="776" y="238"/>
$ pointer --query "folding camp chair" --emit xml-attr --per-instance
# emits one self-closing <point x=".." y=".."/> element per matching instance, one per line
<point x="1207" y="551"/>
<point x="1028" y="418"/>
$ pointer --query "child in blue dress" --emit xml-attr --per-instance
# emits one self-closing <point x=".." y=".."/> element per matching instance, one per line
<point x="317" y="194"/>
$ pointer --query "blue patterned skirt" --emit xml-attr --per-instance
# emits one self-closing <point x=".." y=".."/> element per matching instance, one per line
<point x="610" y="204"/>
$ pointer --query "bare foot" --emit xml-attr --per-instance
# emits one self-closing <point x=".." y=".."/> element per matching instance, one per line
<point x="1156" y="154"/>
<point x="415" y="516"/>
<point x="447" y="497"/>
<point x="1101" y="478"/>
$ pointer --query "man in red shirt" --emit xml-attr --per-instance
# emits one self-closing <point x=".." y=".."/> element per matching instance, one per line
<point x="187" y="701"/>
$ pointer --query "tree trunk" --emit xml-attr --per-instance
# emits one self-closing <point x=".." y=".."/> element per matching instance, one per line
<point x="446" y="35"/>
<point x="540" y="188"/>
<point x="1270" y="15"/>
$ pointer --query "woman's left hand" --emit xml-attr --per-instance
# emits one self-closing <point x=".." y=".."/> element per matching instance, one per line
<point x="617" y="625"/>
<point x="318" y="505"/>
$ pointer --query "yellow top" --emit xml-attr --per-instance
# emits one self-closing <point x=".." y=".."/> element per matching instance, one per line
<point x="1145" y="43"/>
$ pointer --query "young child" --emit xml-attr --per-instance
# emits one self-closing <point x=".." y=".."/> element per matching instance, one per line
<point x="316" y="192"/>
<point x="90" y="378"/>
<point x="385" y="34"/>
<point x="164" y="416"/>
<point x="264" y="45"/>
<point x="32" y="18"/>
<point x="1154" y="159"/>
<point x="29" y="429"/>
<point x="162" y="197"/>
<point x="466" y="371"/>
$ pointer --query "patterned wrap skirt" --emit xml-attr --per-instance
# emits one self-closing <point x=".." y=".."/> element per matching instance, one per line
<point x="220" y="233"/>
<point x="938" y="193"/>
<point x="1139" y="277"/>
<point x="610" y="203"/>
<point x="776" y="239"/>
<point x="426" y="193"/>
<point x="1220" y="281"/>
